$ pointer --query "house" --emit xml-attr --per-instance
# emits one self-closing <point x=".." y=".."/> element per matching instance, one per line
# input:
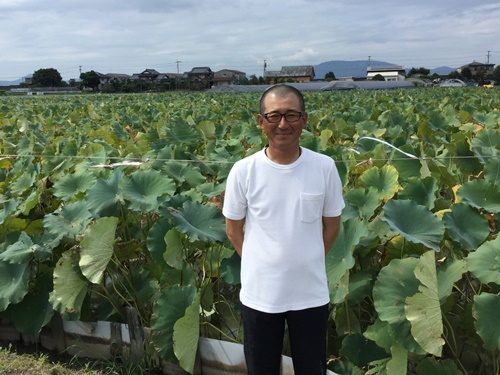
<point x="199" y="74"/>
<point x="303" y="73"/>
<point x="153" y="76"/>
<point x="477" y="68"/>
<point x="390" y="73"/>
<point x="111" y="77"/>
<point x="228" y="77"/>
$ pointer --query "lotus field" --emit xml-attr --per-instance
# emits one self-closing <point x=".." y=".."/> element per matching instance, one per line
<point x="115" y="201"/>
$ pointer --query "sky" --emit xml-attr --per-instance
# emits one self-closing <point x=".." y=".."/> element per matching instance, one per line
<point x="129" y="36"/>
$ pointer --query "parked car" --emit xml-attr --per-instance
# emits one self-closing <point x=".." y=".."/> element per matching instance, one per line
<point x="454" y="82"/>
<point x="488" y="83"/>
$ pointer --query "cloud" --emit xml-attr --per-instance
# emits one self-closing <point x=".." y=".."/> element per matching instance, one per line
<point x="129" y="36"/>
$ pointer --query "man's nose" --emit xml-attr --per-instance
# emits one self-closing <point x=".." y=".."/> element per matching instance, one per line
<point x="283" y="124"/>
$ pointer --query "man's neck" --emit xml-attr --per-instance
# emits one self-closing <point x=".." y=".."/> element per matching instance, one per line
<point x="279" y="156"/>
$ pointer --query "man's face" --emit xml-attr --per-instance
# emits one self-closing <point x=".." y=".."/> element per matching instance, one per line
<point x="284" y="134"/>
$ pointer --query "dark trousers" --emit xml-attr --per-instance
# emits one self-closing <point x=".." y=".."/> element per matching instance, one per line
<point x="264" y="334"/>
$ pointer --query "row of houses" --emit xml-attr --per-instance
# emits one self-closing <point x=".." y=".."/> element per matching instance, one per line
<point x="297" y="74"/>
<point x="197" y="74"/>
<point x="300" y="74"/>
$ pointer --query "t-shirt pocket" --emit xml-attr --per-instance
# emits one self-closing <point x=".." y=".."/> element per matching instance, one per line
<point x="310" y="207"/>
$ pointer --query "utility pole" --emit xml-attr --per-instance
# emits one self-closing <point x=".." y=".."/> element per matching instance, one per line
<point x="178" y="62"/>
<point x="80" y="70"/>
<point x="265" y="66"/>
<point x="369" y="61"/>
<point x="488" y="61"/>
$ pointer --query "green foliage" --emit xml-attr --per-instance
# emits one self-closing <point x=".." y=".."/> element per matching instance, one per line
<point x="113" y="201"/>
<point x="48" y="77"/>
<point x="90" y="79"/>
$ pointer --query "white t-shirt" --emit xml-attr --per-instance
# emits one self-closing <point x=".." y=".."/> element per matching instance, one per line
<point x="283" y="256"/>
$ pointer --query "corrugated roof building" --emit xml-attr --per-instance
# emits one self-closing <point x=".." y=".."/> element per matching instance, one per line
<point x="302" y="73"/>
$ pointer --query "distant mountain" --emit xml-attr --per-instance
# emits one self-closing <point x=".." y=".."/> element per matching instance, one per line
<point x="15" y="82"/>
<point x="342" y="68"/>
<point x="442" y="70"/>
<point x="12" y="83"/>
<point x="358" y="68"/>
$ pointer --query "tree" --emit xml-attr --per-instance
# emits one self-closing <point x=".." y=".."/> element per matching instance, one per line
<point x="480" y="75"/>
<point x="420" y="72"/>
<point x="378" y="77"/>
<point x="330" y="76"/>
<point x="254" y="80"/>
<point x="90" y="79"/>
<point x="496" y="74"/>
<point x="49" y="77"/>
<point x="466" y="73"/>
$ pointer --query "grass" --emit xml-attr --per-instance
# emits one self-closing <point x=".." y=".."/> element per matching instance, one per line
<point x="38" y="364"/>
<point x="29" y="361"/>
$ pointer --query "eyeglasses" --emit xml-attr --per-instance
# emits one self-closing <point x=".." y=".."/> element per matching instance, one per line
<point x="275" y="117"/>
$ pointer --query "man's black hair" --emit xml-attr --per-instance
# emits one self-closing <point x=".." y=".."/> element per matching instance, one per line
<point x="281" y="90"/>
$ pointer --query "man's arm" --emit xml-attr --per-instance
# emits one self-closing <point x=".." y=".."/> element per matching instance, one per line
<point x="235" y="233"/>
<point x="331" y="228"/>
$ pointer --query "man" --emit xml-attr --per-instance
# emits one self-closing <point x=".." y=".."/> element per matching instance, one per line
<point x="282" y="207"/>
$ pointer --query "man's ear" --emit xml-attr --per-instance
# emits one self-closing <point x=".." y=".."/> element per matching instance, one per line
<point x="304" y="122"/>
<point x="260" y="120"/>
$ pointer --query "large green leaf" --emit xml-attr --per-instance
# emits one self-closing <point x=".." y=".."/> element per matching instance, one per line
<point x="492" y="171"/>
<point x="366" y="200"/>
<point x="384" y="180"/>
<point x="432" y="366"/>
<point x="399" y="362"/>
<point x="143" y="189"/>
<point x="70" y="221"/>
<point x="360" y="286"/>
<point x="395" y="282"/>
<point x="183" y="134"/>
<point x="465" y="160"/>
<point x="70" y="286"/>
<point x="186" y="335"/>
<point x="421" y="191"/>
<point x="487" y="319"/>
<point x="230" y="269"/>
<point x="9" y="207"/>
<point x="486" y="144"/>
<point x="156" y="240"/>
<point x="200" y="222"/>
<point x="104" y="196"/>
<point x="97" y="248"/>
<point x="169" y="308"/>
<point x="184" y="172"/>
<point x="381" y="333"/>
<point x="466" y="225"/>
<point x="34" y="311"/>
<point x="361" y="351"/>
<point x="20" y="252"/>
<point x="25" y="181"/>
<point x="340" y="260"/>
<point x="14" y="279"/>
<point x="174" y="253"/>
<point x="484" y="263"/>
<point x="423" y="309"/>
<point x="481" y="194"/>
<point x="68" y="186"/>
<point x="448" y="274"/>
<point x="414" y="222"/>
